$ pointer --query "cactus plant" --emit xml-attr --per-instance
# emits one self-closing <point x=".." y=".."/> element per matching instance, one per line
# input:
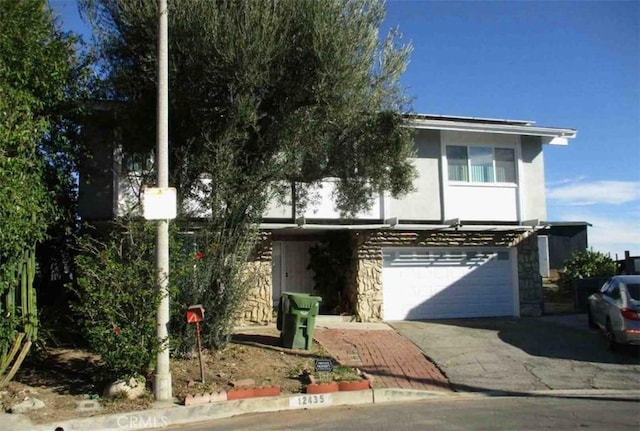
<point x="21" y="310"/>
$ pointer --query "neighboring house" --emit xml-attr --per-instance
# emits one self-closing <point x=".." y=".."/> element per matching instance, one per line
<point x="463" y="244"/>
<point x="628" y="265"/>
<point x="557" y="242"/>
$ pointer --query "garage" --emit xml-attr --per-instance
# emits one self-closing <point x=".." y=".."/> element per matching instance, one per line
<point x="438" y="283"/>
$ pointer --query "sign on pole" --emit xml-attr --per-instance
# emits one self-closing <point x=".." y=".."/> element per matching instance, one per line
<point x="159" y="203"/>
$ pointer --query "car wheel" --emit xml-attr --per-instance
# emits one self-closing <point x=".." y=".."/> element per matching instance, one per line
<point x="592" y="323"/>
<point x="611" y="337"/>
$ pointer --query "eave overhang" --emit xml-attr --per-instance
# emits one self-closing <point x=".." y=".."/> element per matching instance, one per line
<point x="400" y="227"/>
<point x="550" y="135"/>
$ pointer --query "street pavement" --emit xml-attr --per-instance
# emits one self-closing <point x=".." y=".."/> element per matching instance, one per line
<point x="523" y="355"/>
<point x="470" y="414"/>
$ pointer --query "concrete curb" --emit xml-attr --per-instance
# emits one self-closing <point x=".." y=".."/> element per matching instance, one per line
<point x="587" y="393"/>
<point x="558" y="393"/>
<point x="174" y="414"/>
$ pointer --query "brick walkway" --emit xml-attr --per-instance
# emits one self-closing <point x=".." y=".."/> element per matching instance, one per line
<point x="391" y="359"/>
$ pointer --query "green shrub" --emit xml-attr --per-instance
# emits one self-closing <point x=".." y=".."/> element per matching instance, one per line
<point x="586" y="264"/>
<point x="219" y="280"/>
<point x="117" y="299"/>
<point x="116" y="296"/>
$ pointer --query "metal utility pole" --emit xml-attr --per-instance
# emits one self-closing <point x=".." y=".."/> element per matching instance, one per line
<point x="162" y="378"/>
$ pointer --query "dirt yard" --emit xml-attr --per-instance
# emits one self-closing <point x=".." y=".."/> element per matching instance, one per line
<point x="62" y="378"/>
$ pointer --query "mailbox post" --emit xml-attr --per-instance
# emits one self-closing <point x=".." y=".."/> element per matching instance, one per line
<point x="195" y="314"/>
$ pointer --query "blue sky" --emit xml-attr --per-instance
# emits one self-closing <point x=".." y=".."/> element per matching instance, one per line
<point x="564" y="63"/>
<point x="572" y="64"/>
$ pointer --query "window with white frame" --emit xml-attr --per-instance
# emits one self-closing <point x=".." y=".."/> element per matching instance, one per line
<point x="477" y="164"/>
<point x="136" y="164"/>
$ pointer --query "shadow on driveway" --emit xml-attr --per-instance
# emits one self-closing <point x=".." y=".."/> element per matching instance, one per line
<point x="523" y="354"/>
<point x="551" y="339"/>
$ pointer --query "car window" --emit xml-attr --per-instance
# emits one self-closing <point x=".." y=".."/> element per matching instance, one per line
<point x="615" y="293"/>
<point x="634" y="291"/>
<point x="605" y="287"/>
<point x="614" y="290"/>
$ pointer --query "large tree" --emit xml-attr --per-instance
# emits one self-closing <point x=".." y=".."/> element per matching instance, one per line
<point x="39" y="76"/>
<point x="263" y="95"/>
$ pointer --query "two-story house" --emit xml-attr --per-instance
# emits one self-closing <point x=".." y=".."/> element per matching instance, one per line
<point x="463" y="244"/>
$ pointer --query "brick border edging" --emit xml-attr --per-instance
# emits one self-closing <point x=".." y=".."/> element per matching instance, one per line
<point x="274" y="391"/>
<point x="231" y="394"/>
<point x="205" y="398"/>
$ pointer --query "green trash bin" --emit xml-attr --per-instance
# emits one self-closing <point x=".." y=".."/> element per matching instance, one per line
<point x="296" y="319"/>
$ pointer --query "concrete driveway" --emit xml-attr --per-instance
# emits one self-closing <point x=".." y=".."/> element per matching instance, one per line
<point x="526" y="354"/>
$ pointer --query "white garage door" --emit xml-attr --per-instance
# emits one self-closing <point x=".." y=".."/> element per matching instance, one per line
<point x="436" y="283"/>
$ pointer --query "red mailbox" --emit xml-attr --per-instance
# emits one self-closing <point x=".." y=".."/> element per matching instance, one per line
<point x="195" y="314"/>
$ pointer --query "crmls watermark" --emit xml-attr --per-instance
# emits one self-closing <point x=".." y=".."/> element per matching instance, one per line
<point x="140" y="422"/>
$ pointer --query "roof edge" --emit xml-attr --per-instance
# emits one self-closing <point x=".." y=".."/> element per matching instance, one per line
<point x="487" y="125"/>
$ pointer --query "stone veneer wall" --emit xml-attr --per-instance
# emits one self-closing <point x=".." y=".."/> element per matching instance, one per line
<point x="529" y="278"/>
<point x="365" y="288"/>
<point x="258" y="305"/>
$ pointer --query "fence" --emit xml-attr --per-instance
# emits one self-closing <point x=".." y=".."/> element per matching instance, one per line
<point x="584" y="287"/>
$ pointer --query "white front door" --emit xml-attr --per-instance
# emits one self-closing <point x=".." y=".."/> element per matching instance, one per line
<point x="434" y="283"/>
<point x="290" y="273"/>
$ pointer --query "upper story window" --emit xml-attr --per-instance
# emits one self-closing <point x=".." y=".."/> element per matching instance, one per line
<point x="135" y="164"/>
<point x="481" y="164"/>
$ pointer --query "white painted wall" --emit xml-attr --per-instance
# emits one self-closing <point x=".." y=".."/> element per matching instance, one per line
<point x="481" y="203"/>
<point x="279" y="210"/>
<point x="322" y="204"/>
<point x="532" y="183"/>
<point x="434" y="197"/>
<point x="129" y="195"/>
<point x="424" y="203"/>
